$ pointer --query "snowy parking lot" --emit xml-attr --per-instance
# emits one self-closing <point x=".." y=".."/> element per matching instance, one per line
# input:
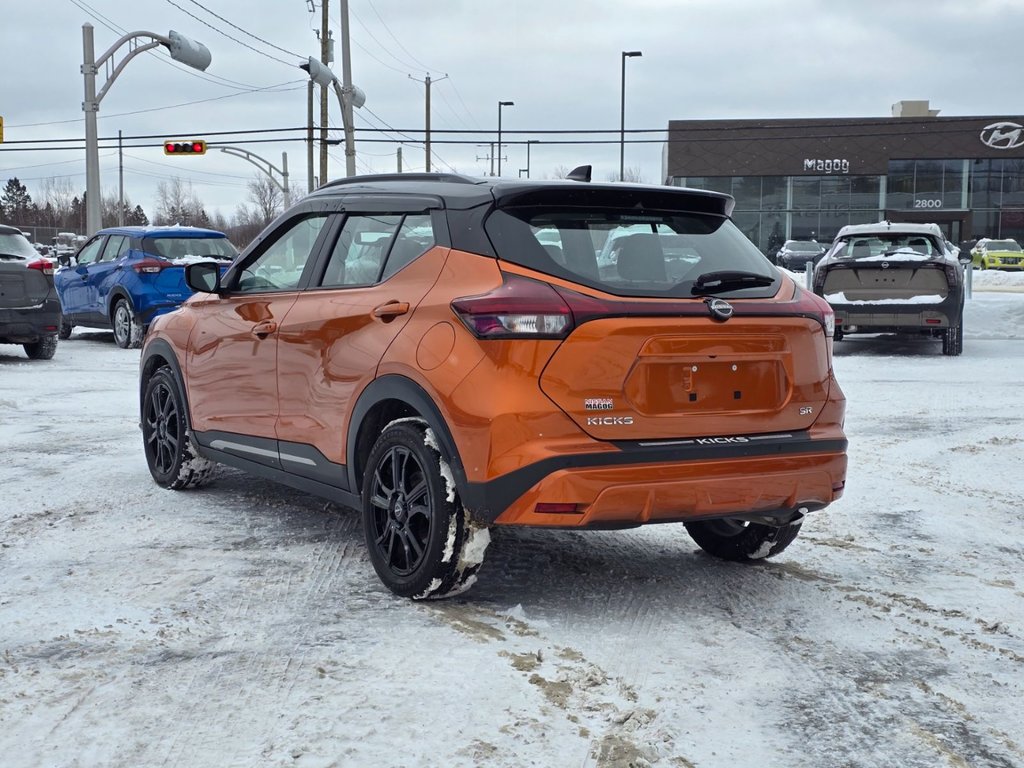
<point x="243" y="625"/>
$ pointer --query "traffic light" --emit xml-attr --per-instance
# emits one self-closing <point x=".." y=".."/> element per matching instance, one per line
<point x="194" y="147"/>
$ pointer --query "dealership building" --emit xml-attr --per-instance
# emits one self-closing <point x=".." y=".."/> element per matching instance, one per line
<point x="804" y="179"/>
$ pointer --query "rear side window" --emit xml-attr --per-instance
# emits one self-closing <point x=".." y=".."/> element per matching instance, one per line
<point x="655" y="254"/>
<point x="372" y="248"/>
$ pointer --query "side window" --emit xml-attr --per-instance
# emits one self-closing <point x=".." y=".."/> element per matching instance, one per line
<point x="415" y="238"/>
<point x="358" y="254"/>
<point x="280" y="266"/>
<point x="91" y="251"/>
<point x="116" y="245"/>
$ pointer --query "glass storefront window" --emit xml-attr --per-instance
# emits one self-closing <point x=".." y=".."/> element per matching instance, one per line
<point x="749" y="224"/>
<point x="986" y="184"/>
<point x="900" y="185"/>
<point x="864" y="192"/>
<point x="804" y="226"/>
<point x="747" y="191"/>
<point x="806" y="194"/>
<point x="773" y="193"/>
<point x="1013" y="183"/>
<point x="927" y="185"/>
<point x="952" y="183"/>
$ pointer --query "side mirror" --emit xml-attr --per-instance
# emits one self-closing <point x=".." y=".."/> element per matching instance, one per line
<point x="203" y="277"/>
<point x="964" y="258"/>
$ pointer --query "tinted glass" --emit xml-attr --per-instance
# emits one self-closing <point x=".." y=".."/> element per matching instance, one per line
<point x="415" y="238"/>
<point x="16" y="245"/>
<point x="280" y="266"/>
<point x="358" y="255"/>
<point x="189" y="249"/>
<point x="91" y="251"/>
<point x="625" y="253"/>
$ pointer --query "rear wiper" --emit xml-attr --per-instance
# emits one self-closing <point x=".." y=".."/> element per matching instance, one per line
<point x="712" y="282"/>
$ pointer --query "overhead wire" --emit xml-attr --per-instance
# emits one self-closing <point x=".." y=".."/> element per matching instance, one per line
<point x="229" y="37"/>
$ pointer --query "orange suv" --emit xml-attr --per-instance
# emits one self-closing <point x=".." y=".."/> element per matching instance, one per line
<point x="449" y="354"/>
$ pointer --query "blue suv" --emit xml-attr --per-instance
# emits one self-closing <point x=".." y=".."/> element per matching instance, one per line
<point x="123" y="277"/>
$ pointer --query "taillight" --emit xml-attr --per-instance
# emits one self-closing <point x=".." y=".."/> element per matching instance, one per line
<point x="43" y="265"/>
<point x="520" y="308"/>
<point x="820" y="308"/>
<point x="149" y="265"/>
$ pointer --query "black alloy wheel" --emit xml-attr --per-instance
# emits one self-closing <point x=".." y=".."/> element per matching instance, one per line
<point x="415" y="526"/>
<point x="172" y="460"/>
<point x="739" y="540"/>
<point x="127" y="328"/>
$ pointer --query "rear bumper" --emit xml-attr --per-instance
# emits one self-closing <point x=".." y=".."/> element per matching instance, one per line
<point x="881" y="317"/>
<point x="27" y="325"/>
<point x="669" y="482"/>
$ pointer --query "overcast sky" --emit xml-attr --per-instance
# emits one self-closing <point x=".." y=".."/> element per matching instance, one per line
<point x="558" y="60"/>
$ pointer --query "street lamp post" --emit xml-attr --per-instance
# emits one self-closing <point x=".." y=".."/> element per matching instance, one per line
<point x="528" y="143"/>
<point x="349" y="96"/>
<point x="181" y="48"/>
<point x="267" y="167"/>
<point x="500" y="105"/>
<point x="622" y="128"/>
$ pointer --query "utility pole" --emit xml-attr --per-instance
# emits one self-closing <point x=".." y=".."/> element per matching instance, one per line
<point x="426" y="122"/>
<point x="347" y="102"/>
<point x="120" y="181"/>
<point x="400" y="159"/>
<point x="309" y="137"/>
<point x="325" y="48"/>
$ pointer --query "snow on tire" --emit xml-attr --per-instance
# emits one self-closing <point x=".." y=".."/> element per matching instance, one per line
<point x="170" y="454"/>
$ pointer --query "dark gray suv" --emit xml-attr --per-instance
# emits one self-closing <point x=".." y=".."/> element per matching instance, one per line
<point x="29" y="308"/>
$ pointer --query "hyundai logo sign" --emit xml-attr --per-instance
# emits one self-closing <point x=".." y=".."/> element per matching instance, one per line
<point x="1003" y="135"/>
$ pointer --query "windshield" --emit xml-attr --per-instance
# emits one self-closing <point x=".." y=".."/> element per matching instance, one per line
<point x="14" y="244"/>
<point x="655" y="254"/>
<point x="190" y="248"/>
<point x="803" y="247"/>
<point x="1003" y="245"/>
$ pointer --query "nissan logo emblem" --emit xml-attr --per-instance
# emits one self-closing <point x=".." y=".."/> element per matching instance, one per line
<point x="885" y="265"/>
<point x="720" y="309"/>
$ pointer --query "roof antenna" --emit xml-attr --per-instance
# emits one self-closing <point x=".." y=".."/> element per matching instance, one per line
<point x="579" y="173"/>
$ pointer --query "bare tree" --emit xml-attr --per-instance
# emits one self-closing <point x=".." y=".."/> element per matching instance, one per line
<point x="266" y="196"/>
<point x="560" y="172"/>
<point x="177" y="203"/>
<point x="56" y="194"/>
<point x="629" y="175"/>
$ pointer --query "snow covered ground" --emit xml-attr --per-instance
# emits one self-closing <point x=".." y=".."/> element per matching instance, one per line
<point x="242" y="625"/>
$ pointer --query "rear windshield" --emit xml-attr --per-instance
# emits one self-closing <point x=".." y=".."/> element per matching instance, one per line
<point x="803" y="247"/>
<point x="885" y="245"/>
<point x="190" y="248"/>
<point x="13" y="244"/>
<point x="652" y="254"/>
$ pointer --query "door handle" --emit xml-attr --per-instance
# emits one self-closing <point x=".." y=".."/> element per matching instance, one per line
<point x="264" y="329"/>
<point x="391" y="310"/>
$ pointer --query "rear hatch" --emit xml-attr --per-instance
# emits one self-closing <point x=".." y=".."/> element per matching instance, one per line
<point x="21" y="285"/>
<point x="885" y="268"/>
<point x="681" y="329"/>
<point x="174" y="253"/>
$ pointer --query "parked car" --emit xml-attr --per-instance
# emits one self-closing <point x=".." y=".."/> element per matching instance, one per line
<point x="123" y="277"/>
<point x="997" y="254"/>
<point x="794" y="254"/>
<point x="29" y="308"/>
<point x="895" y="278"/>
<point x="472" y="379"/>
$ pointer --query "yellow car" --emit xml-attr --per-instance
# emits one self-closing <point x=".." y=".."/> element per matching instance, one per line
<point x="997" y="254"/>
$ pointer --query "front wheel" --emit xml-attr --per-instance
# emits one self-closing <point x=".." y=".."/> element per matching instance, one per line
<point x="420" y="540"/>
<point x="740" y="540"/>
<point x="44" y="349"/>
<point x="172" y="459"/>
<point x="127" y="327"/>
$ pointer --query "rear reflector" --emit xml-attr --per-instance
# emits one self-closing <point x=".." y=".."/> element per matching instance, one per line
<point x="557" y="509"/>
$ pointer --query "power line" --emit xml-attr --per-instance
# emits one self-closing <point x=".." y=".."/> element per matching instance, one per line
<point x="244" y="32"/>
<point x="229" y="37"/>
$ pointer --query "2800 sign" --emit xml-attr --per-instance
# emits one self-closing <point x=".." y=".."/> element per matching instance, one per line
<point x="928" y="203"/>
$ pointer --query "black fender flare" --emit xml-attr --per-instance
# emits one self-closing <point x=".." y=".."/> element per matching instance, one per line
<point x="397" y="387"/>
<point x="160" y="348"/>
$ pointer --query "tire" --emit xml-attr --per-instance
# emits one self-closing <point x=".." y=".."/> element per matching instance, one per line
<point x="740" y="541"/>
<point x="420" y="540"/>
<point x="837" y="334"/>
<point x="66" y="327"/>
<point x="170" y="454"/>
<point x="953" y="339"/>
<point x="127" y="327"/>
<point x="44" y="349"/>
